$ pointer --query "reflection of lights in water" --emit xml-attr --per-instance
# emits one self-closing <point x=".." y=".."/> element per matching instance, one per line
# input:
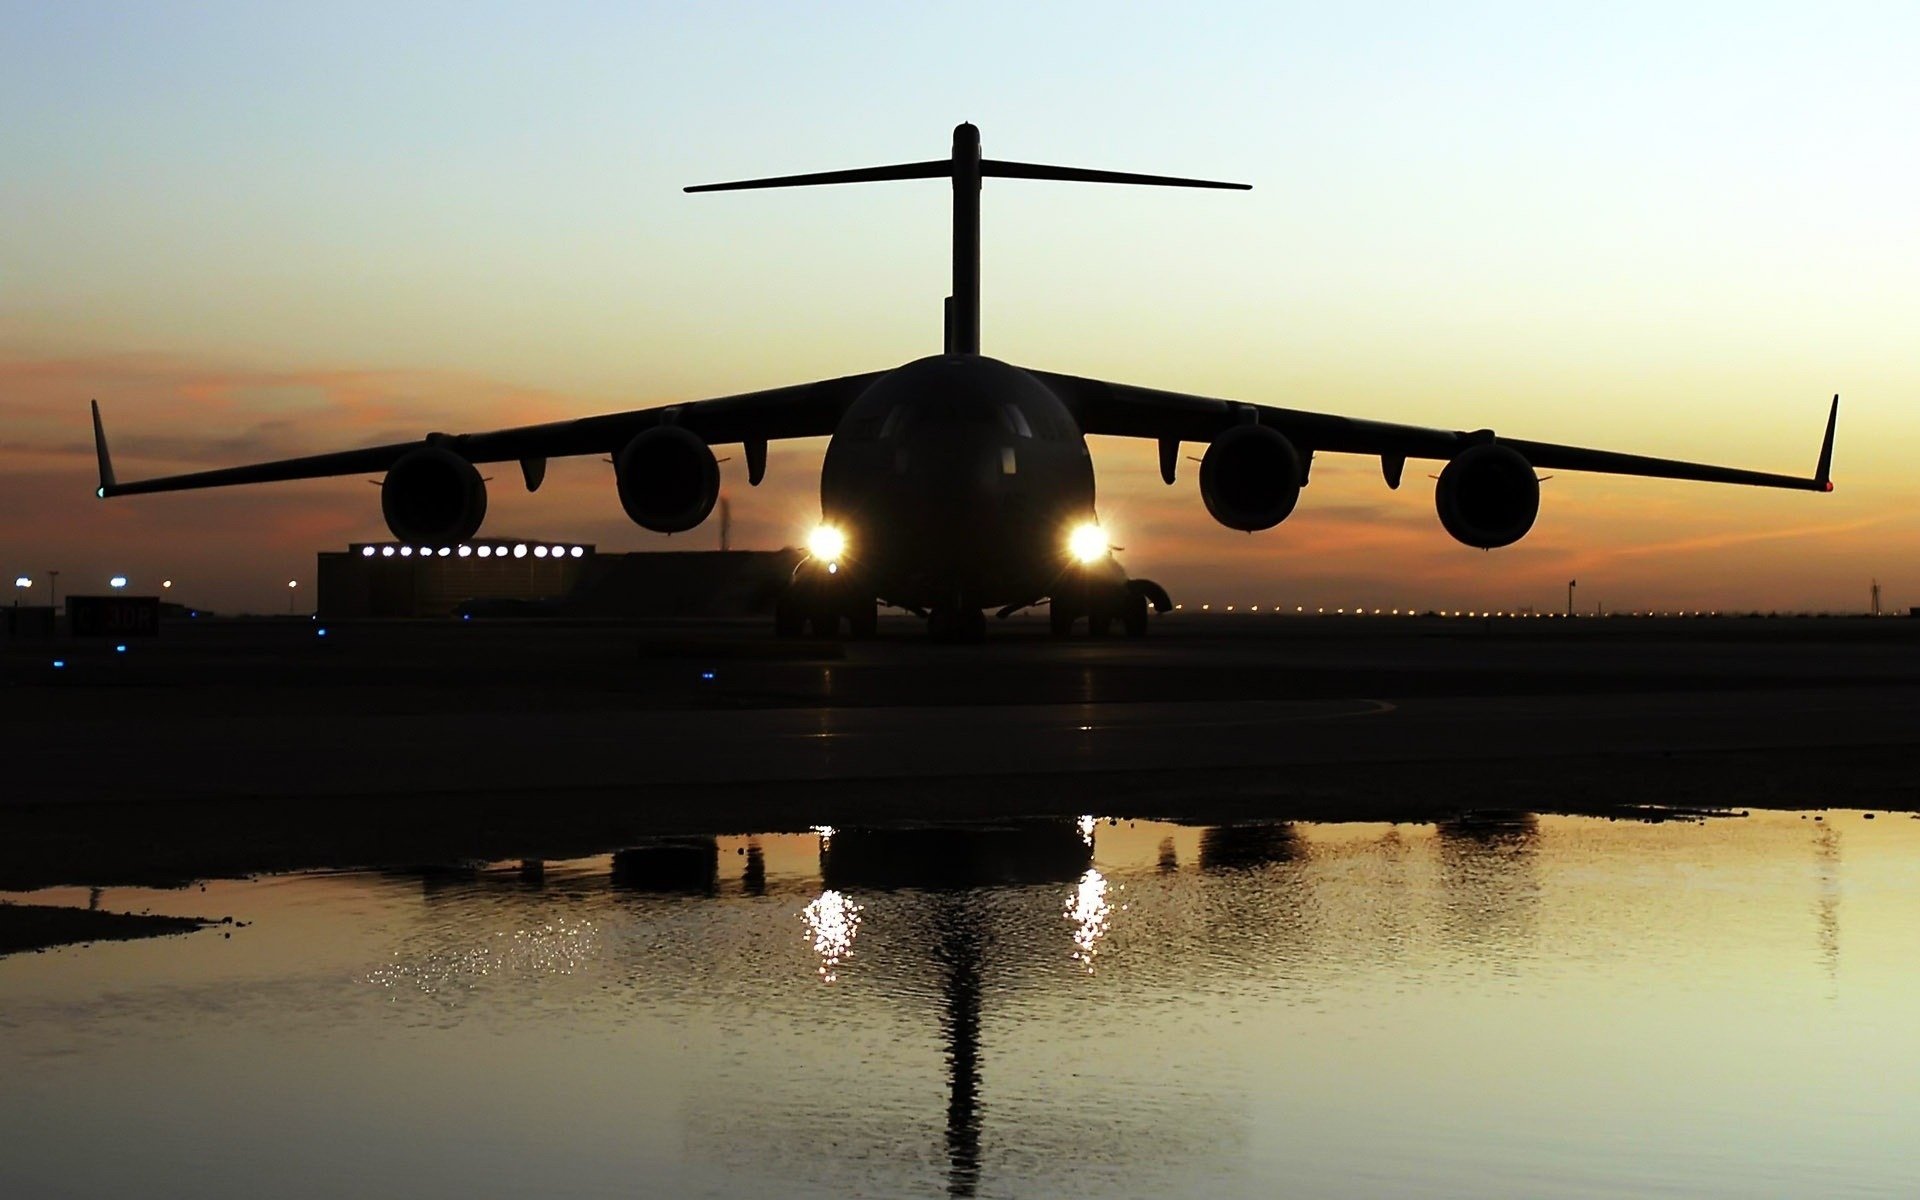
<point x="1087" y="825"/>
<point x="559" y="947"/>
<point x="832" y="921"/>
<point x="825" y="832"/>
<point x="1091" y="912"/>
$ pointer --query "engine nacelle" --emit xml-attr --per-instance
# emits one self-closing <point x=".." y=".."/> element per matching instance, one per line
<point x="434" y="497"/>
<point x="1488" y="496"/>
<point x="668" y="479"/>
<point x="1250" y="478"/>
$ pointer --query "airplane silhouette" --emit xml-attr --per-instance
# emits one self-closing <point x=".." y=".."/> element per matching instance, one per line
<point x="959" y="483"/>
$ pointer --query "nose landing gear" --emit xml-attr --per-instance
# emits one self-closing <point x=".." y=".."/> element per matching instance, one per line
<point x="957" y="623"/>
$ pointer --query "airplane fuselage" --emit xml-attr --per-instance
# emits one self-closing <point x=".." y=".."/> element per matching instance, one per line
<point x="956" y="480"/>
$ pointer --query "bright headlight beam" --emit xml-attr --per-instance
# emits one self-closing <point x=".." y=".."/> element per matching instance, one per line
<point x="1087" y="543"/>
<point x="826" y="543"/>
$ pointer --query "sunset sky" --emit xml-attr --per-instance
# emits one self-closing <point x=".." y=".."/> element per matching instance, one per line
<point x="261" y="230"/>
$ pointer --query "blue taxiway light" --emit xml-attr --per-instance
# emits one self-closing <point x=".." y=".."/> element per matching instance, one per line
<point x="320" y="632"/>
<point x="707" y="675"/>
<point x="120" y="649"/>
<point x="59" y="664"/>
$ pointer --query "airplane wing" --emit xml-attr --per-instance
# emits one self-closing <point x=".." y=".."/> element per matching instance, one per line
<point x="803" y="410"/>
<point x="1171" y="417"/>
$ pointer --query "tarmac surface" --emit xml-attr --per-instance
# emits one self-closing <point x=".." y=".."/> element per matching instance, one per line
<point x="226" y="746"/>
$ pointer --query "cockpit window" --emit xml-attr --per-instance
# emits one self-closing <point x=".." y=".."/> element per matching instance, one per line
<point x="898" y="418"/>
<point x="1016" y="420"/>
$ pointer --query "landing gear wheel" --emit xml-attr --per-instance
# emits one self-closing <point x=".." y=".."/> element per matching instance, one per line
<point x="973" y="626"/>
<point x="863" y="621"/>
<point x="788" y="620"/>
<point x="1134" y="616"/>
<point x="1059" y="620"/>
<point x="825" y="624"/>
<point x="1099" y="622"/>
<point x="957" y="625"/>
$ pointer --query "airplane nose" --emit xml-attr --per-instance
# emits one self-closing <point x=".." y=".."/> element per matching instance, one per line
<point x="964" y="467"/>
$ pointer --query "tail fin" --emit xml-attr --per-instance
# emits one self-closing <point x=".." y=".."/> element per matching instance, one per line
<point x="966" y="168"/>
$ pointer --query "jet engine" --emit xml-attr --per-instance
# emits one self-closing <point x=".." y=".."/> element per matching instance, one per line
<point x="1250" y="478"/>
<point x="1488" y="496"/>
<point x="668" y="479"/>
<point x="433" y="496"/>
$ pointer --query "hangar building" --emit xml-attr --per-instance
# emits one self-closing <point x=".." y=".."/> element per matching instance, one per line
<point x="523" y="576"/>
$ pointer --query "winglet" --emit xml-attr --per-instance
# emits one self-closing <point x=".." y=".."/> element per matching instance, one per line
<point x="107" y="485"/>
<point x="1823" y="474"/>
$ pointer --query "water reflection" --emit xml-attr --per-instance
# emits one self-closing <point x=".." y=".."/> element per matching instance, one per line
<point x="689" y="865"/>
<point x="832" y="921"/>
<point x="1050" y="1007"/>
<point x="1090" y="913"/>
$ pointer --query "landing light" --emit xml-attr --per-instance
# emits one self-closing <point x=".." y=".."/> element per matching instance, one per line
<point x="826" y="543"/>
<point x="118" y="581"/>
<point x="1087" y="543"/>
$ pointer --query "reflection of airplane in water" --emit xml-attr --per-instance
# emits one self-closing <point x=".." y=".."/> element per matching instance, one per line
<point x="980" y="925"/>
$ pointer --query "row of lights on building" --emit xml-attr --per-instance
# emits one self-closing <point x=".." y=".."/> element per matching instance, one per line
<point x="518" y="551"/>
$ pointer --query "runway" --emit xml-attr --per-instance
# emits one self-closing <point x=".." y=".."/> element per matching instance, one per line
<point x="276" y="710"/>
<point x="275" y="747"/>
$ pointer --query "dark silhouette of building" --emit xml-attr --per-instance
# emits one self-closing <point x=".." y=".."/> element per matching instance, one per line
<point x="524" y="577"/>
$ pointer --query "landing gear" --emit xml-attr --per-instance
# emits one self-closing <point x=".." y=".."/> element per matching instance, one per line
<point x="789" y="617"/>
<point x="1059" y="619"/>
<point x="1128" y="606"/>
<point x="963" y="626"/>
<point x="816" y="602"/>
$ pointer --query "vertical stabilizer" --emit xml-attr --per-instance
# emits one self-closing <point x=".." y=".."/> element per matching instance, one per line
<point x="966" y="169"/>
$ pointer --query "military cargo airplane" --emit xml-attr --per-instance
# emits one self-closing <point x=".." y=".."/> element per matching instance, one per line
<point x="958" y="483"/>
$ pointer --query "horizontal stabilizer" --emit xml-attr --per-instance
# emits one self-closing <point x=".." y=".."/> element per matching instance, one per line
<point x="936" y="169"/>
<point x="1019" y="170"/>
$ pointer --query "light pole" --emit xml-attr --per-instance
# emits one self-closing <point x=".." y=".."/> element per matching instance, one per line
<point x="20" y="584"/>
<point x="1570" y="586"/>
<point x="53" y="590"/>
<point x="291" y="585"/>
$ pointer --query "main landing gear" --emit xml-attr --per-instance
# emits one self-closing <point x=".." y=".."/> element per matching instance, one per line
<point x="1103" y="607"/>
<point x="818" y="601"/>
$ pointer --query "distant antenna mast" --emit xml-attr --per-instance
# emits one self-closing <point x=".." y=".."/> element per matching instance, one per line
<point x="1876" y="597"/>
<point x="726" y="525"/>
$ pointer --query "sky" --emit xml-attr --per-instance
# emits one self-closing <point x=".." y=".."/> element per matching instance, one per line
<point x="262" y="230"/>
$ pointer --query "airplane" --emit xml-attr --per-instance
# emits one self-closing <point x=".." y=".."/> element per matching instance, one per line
<point x="959" y="483"/>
